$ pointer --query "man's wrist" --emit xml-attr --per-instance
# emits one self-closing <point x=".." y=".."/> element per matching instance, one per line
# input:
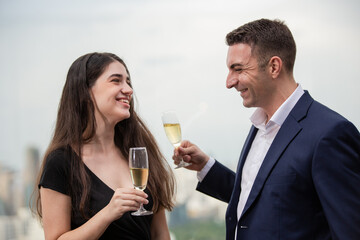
<point x="202" y="173"/>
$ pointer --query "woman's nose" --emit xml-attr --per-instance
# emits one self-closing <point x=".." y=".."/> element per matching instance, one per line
<point x="127" y="90"/>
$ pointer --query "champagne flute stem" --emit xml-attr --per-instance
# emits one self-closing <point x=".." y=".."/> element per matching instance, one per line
<point x="142" y="209"/>
<point x="182" y="164"/>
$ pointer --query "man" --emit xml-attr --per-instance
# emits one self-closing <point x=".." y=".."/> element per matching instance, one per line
<point x="298" y="175"/>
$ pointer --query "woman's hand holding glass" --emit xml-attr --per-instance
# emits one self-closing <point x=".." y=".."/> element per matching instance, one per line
<point x="132" y="199"/>
<point x="125" y="200"/>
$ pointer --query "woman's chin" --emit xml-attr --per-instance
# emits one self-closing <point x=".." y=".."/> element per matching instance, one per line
<point x="124" y="117"/>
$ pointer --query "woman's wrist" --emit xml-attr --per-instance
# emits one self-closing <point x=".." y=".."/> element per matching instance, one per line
<point x="106" y="215"/>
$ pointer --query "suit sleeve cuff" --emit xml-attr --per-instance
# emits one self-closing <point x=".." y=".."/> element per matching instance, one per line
<point x="202" y="173"/>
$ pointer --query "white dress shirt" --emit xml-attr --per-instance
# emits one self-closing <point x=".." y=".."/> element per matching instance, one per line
<point x="264" y="137"/>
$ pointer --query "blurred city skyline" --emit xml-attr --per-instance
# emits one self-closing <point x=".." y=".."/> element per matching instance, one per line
<point x="176" y="52"/>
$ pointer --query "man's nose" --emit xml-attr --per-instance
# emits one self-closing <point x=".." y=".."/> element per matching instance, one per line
<point x="230" y="81"/>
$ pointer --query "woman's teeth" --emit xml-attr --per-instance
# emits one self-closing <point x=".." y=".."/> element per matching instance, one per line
<point x="124" y="101"/>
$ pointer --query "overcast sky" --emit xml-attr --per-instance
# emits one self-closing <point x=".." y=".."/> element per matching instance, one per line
<point x="175" y="51"/>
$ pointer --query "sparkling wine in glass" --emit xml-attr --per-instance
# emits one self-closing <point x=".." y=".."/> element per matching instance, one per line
<point x="139" y="170"/>
<point x="173" y="132"/>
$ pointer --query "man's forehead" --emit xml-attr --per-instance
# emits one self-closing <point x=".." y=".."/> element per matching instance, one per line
<point x="240" y="48"/>
<point x="239" y="54"/>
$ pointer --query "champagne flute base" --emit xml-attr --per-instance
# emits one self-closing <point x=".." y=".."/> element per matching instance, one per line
<point x="142" y="213"/>
<point x="182" y="164"/>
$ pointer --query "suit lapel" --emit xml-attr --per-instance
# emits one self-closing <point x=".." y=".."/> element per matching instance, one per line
<point x="246" y="150"/>
<point x="286" y="134"/>
<point x="236" y="191"/>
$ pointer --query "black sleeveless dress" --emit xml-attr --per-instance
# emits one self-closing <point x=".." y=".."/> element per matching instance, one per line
<point x="56" y="177"/>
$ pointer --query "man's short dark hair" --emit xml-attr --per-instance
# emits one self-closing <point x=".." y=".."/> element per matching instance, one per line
<point x="267" y="38"/>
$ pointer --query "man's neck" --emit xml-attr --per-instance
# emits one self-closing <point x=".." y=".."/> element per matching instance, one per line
<point x="282" y="93"/>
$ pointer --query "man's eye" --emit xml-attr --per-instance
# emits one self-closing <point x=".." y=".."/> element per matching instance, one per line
<point x="115" y="80"/>
<point x="238" y="70"/>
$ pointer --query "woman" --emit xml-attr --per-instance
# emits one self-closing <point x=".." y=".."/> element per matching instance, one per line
<point x="85" y="188"/>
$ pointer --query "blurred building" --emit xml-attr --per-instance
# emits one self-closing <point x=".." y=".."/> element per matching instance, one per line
<point x="191" y="204"/>
<point x="7" y="177"/>
<point x="30" y="172"/>
<point x="16" y="221"/>
<point x="7" y="207"/>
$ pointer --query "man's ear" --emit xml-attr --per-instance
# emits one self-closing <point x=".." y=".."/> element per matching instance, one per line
<point x="275" y="66"/>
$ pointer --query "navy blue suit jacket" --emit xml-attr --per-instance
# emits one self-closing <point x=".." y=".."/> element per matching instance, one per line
<point x="308" y="186"/>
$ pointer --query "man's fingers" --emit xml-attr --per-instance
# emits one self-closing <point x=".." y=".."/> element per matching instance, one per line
<point x="186" y="158"/>
<point x="185" y="144"/>
<point x="186" y="151"/>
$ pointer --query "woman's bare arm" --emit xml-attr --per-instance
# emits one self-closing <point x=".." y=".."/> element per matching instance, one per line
<point x="159" y="227"/>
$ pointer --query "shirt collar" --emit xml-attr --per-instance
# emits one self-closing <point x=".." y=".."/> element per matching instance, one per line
<point x="258" y="118"/>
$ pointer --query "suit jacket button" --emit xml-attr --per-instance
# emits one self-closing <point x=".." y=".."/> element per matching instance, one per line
<point x="243" y="227"/>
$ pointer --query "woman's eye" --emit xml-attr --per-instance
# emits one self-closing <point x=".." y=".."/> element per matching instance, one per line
<point x="115" y="80"/>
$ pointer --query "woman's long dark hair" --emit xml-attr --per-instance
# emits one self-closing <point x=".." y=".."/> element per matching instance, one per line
<point x="76" y="125"/>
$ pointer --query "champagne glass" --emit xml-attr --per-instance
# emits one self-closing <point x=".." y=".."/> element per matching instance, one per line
<point x="139" y="170"/>
<point x="173" y="132"/>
